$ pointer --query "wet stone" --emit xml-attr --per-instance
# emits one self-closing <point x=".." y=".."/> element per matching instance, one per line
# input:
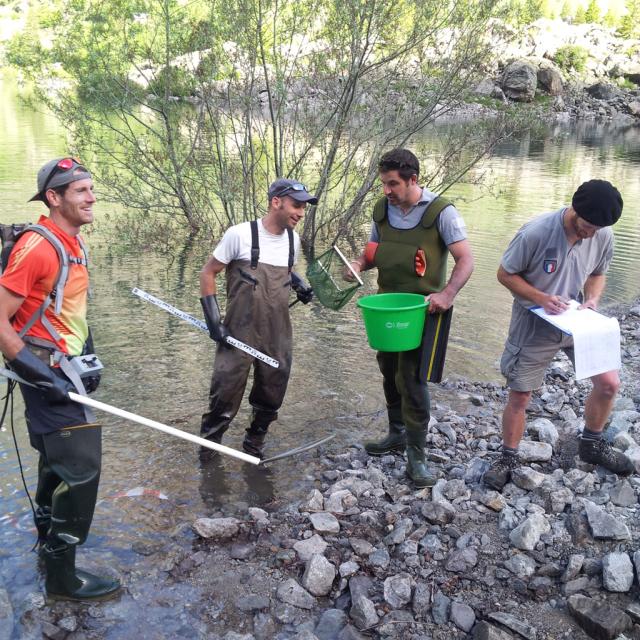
<point x="68" y="624"/>
<point x="617" y="572"/>
<point x="599" y="620"/>
<point x="217" y="528"/>
<point x="52" y="632"/>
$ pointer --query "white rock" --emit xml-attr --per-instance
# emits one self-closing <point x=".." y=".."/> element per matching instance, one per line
<point x="617" y="572"/>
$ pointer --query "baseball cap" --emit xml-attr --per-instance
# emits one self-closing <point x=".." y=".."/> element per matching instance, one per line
<point x="292" y="188"/>
<point x="598" y="202"/>
<point x="57" y="173"/>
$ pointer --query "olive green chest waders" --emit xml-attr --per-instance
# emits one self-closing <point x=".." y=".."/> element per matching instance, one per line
<point x="257" y="313"/>
<point x="406" y="395"/>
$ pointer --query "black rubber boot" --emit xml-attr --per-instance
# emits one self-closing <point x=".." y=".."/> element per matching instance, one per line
<point x="66" y="582"/>
<point x="416" y="461"/>
<point x="396" y="440"/>
<point x="43" y="522"/>
<point x="253" y="443"/>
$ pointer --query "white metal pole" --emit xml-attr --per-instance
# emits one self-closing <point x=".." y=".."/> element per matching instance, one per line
<point x="348" y="265"/>
<point x="127" y="415"/>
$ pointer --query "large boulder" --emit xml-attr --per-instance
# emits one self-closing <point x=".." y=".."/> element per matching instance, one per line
<point x="519" y="81"/>
<point x="550" y="80"/>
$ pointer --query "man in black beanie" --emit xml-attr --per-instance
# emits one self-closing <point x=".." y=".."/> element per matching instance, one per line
<point x="557" y="257"/>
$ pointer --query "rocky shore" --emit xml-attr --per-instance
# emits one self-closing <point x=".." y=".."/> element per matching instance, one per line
<point x="555" y="555"/>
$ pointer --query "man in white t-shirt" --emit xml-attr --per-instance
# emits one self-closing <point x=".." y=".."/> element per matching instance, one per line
<point x="258" y="258"/>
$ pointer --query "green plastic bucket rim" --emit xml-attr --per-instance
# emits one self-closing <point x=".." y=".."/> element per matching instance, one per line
<point x="362" y="302"/>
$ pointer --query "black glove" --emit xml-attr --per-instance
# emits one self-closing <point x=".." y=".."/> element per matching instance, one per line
<point x="30" y="368"/>
<point x="91" y="383"/>
<point x="304" y="292"/>
<point x="217" y="331"/>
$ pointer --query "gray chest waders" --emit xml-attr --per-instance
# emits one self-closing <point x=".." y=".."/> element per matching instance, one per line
<point x="257" y="313"/>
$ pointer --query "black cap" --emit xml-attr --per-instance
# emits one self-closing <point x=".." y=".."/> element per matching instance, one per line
<point x="292" y="188"/>
<point x="598" y="202"/>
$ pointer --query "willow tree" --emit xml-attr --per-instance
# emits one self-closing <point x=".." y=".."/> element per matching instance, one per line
<point x="191" y="108"/>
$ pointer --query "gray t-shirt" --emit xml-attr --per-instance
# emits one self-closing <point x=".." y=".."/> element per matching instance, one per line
<point x="541" y="254"/>
<point x="451" y="226"/>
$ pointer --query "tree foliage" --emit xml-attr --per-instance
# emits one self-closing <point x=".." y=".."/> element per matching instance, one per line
<point x="309" y="89"/>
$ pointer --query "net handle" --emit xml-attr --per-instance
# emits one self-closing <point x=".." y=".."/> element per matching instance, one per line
<point x="348" y="265"/>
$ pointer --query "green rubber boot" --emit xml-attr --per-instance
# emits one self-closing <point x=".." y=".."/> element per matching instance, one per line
<point x="66" y="582"/>
<point x="396" y="440"/>
<point x="416" y="462"/>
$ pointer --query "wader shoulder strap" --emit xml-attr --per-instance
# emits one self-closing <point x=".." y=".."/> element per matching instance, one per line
<point x="255" y="244"/>
<point x="433" y="210"/>
<point x="292" y="251"/>
<point x="380" y="210"/>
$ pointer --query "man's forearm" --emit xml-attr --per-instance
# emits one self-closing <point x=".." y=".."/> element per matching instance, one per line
<point x="593" y="288"/>
<point x="460" y="275"/>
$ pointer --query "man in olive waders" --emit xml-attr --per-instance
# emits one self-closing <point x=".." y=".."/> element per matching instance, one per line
<point x="258" y="257"/>
<point x="43" y="325"/>
<point x="413" y="231"/>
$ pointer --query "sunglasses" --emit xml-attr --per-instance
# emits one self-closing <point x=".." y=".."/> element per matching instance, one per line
<point x="298" y="186"/>
<point x="63" y="165"/>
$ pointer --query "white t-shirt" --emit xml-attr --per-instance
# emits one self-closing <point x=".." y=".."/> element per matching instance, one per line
<point x="274" y="249"/>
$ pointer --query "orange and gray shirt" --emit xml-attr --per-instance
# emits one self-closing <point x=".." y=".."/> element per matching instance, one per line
<point x="31" y="274"/>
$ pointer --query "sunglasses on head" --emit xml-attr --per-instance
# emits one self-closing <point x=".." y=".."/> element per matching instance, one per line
<point x="63" y="165"/>
<point x="298" y="186"/>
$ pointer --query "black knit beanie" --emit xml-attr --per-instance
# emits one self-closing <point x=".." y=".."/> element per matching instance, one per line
<point x="598" y="202"/>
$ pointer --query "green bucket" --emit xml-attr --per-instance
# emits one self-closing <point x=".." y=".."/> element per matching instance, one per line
<point x="394" y="321"/>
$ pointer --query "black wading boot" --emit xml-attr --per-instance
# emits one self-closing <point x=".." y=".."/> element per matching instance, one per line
<point x="66" y="582"/>
<point x="416" y="461"/>
<point x="396" y="440"/>
<point x="43" y="522"/>
<point x="253" y="442"/>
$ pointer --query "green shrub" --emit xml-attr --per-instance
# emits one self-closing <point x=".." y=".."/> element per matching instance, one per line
<point x="176" y="81"/>
<point x="571" y="56"/>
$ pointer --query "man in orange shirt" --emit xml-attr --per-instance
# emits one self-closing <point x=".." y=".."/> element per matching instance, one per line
<point x="42" y="324"/>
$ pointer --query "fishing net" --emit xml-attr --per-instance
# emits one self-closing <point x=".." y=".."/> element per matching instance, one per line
<point x="326" y="276"/>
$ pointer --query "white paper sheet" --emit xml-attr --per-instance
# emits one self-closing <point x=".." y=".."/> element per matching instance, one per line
<point x="596" y="338"/>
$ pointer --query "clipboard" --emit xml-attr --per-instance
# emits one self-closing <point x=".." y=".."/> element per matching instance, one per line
<point x="435" y="338"/>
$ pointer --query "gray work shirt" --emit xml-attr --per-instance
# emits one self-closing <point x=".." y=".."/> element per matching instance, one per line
<point x="541" y="254"/>
<point x="451" y="226"/>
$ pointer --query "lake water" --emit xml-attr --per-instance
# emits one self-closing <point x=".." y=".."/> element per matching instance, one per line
<point x="159" y="367"/>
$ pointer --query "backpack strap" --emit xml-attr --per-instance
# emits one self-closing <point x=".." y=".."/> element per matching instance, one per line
<point x="57" y="293"/>
<point x="380" y="209"/>
<point x="255" y="244"/>
<point x="433" y="210"/>
<point x="291" y="248"/>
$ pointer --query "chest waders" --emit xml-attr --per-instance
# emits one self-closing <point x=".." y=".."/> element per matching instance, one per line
<point x="406" y="395"/>
<point x="70" y="456"/>
<point x="257" y="313"/>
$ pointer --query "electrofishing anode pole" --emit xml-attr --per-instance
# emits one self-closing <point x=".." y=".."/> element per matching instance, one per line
<point x="258" y="355"/>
